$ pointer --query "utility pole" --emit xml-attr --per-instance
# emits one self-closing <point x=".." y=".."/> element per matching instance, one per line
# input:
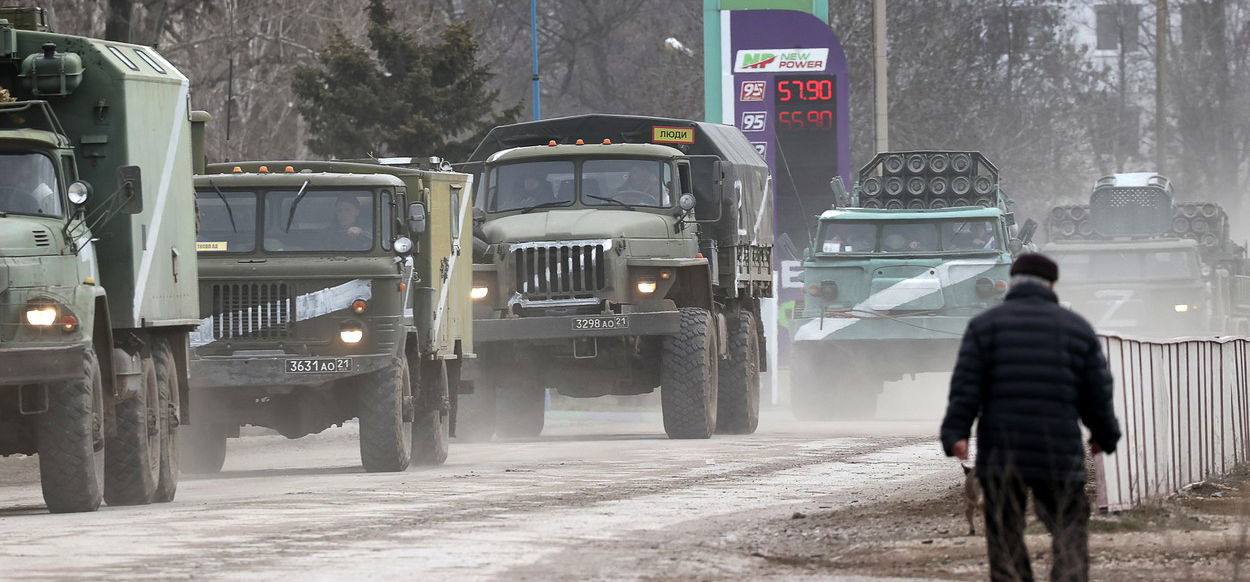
<point x="882" y="125"/>
<point x="1161" y="60"/>
<point x="537" y="98"/>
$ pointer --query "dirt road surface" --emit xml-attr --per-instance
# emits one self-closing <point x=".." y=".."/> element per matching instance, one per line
<point x="599" y="496"/>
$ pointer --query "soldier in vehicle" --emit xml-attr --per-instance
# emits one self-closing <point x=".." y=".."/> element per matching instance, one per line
<point x="533" y="190"/>
<point x="345" y="228"/>
<point x="973" y="235"/>
<point x="640" y="186"/>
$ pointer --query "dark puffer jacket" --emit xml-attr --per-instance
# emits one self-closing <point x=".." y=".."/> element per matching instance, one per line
<point x="1030" y="369"/>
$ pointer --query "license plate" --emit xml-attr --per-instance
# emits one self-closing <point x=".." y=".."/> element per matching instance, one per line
<point x="318" y="365"/>
<point x="600" y="322"/>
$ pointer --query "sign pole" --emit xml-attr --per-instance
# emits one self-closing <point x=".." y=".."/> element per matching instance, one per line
<point x="537" y="99"/>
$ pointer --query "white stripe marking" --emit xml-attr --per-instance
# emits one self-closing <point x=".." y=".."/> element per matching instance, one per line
<point x="307" y="306"/>
<point x="759" y="214"/>
<point x="158" y="212"/>
<point x="900" y="293"/>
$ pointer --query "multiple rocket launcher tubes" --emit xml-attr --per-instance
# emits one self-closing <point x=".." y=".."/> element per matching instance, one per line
<point x="922" y="180"/>
<point x="1205" y="222"/>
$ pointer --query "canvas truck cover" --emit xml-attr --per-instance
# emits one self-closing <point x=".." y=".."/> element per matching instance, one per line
<point x="746" y="187"/>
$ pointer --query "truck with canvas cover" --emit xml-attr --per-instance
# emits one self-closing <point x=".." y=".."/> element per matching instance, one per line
<point x="97" y="262"/>
<point x="331" y="291"/>
<point x="1134" y="261"/>
<point x="620" y="253"/>
<point x="924" y="242"/>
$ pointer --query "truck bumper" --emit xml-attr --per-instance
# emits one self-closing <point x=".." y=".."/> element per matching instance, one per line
<point x="565" y="327"/>
<point x="227" y="372"/>
<point x="31" y="365"/>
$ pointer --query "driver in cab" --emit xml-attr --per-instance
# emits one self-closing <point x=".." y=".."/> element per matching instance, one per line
<point x="345" y="229"/>
<point x="641" y="187"/>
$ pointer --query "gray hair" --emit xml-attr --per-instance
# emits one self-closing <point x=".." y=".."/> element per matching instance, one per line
<point x="1017" y="280"/>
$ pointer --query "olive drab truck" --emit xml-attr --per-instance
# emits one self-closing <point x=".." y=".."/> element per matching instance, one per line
<point x="97" y="247"/>
<point x="923" y="243"/>
<point x="619" y="254"/>
<point x="1134" y="261"/>
<point x="331" y="291"/>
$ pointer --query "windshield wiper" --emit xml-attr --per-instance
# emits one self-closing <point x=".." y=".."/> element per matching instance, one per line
<point x="606" y="199"/>
<point x="530" y="209"/>
<point x="298" y="197"/>
<point x="229" y="211"/>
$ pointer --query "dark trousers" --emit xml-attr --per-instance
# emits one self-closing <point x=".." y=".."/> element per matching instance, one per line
<point x="1062" y="508"/>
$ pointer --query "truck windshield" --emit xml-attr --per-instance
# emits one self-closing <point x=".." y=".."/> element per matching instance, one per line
<point x="1107" y="266"/>
<point x="859" y="236"/>
<point x="603" y="182"/>
<point x="29" y="185"/>
<point x="324" y="220"/>
<point x="227" y="221"/>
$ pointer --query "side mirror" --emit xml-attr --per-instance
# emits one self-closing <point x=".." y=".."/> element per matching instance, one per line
<point x="686" y="202"/>
<point x="416" y="217"/>
<point x="1026" y="231"/>
<point x="79" y="192"/>
<point x="130" y="187"/>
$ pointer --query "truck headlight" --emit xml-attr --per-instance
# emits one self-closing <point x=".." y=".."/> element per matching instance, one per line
<point x="1182" y="308"/>
<point x="41" y="315"/>
<point x="646" y="286"/>
<point x="350" y="334"/>
<point x="479" y="293"/>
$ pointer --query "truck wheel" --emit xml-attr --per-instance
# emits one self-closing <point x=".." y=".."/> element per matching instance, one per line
<point x="385" y="437"/>
<point x="521" y="411"/>
<point x="811" y="391"/>
<point x="738" y="411"/>
<point x="167" y="387"/>
<point x="132" y="459"/>
<point x="202" y="447"/>
<point x="475" y="413"/>
<point x="688" y="382"/>
<point x="430" y="427"/>
<point x="71" y="441"/>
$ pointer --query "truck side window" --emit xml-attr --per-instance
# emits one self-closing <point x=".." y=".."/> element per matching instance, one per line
<point x="387" y="212"/>
<point x="683" y="174"/>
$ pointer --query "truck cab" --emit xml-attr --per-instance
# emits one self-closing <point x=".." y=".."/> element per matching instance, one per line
<point x="892" y="280"/>
<point x="325" y="293"/>
<point x="620" y="254"/>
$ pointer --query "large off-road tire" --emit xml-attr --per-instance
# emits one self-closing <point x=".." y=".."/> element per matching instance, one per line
<point x="167" y="389"/>
<point x="71" y="441"/>
<point x="738" y="404"/>
<point x="688" y="377"/>
<point x="385" y="437"/>
<point x="520" y="410"/>
<point x="431" y="425"/>
<point x="202" y="447"/>
<point x="476" y="413"/>
<point x="132" y="458"/>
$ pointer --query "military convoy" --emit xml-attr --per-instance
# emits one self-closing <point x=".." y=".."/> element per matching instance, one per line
<point x="1134" y="261"/>
<point x="331" y="290"/>
<point x="618" y="254"/>
<point x="97" y="248"/>
<point x="923" y="243"/>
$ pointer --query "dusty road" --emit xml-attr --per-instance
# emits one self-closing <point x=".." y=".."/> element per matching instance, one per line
<point x="599" y="496"/>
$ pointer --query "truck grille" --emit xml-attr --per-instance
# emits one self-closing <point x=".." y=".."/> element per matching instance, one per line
<point x="252" y="310"/>
<point x="554" y="271"/>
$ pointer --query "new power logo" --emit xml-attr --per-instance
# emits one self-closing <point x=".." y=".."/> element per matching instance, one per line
<point x="773" y="60"/>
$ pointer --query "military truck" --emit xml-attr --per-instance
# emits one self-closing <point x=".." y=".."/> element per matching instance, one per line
<point x="97" y="291"/>
<point x="331" y="291"/>
<point x="1134" y="261"/>
<point x="923" y="243"/>
<point x="620" y="253"/>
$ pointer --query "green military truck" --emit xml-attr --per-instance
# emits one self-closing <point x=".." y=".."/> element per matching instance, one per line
<point x="1133" y="261"/>
<point x="97" y="262"/>
<point x="331" y="291"/>
<point x="922" y="244"/>
<point x="618" y="254"/>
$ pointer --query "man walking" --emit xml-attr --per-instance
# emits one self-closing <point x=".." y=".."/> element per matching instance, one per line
<point x="1031" y="371"/>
